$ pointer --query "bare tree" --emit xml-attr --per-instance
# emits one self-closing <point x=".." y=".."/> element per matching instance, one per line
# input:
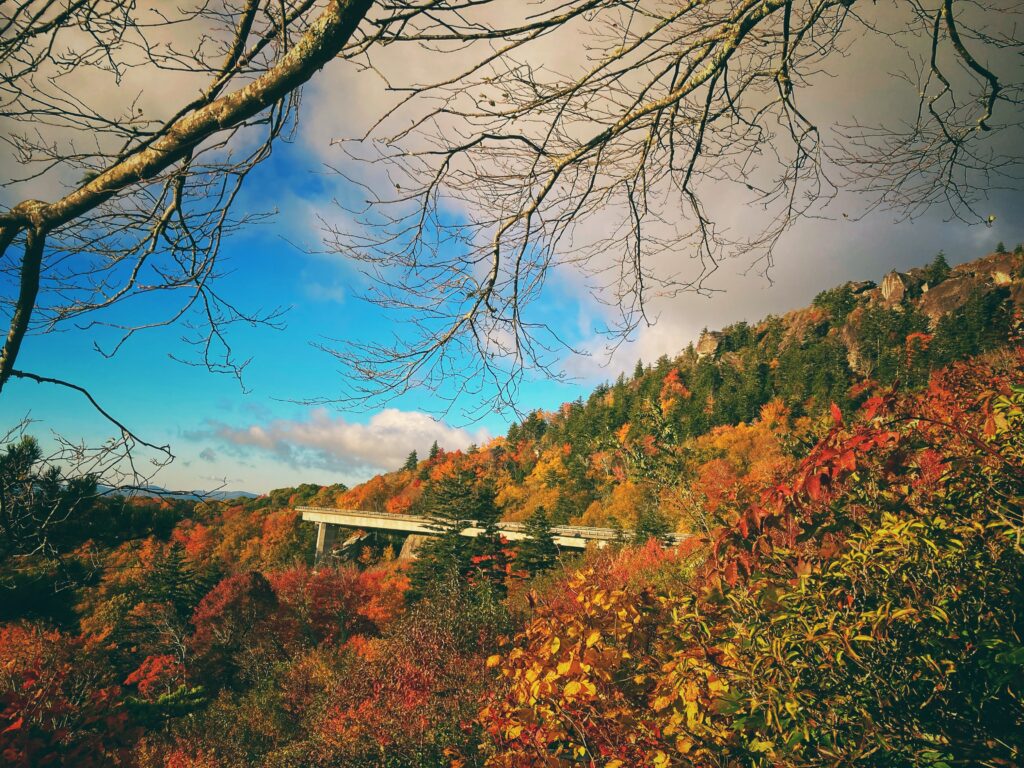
<point x="146" y="199"/>
<point x="141" y="127"/>
<point x="508" y="171"/>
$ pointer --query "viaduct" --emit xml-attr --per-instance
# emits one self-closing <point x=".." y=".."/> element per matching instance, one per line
<point x="330" y="521"/>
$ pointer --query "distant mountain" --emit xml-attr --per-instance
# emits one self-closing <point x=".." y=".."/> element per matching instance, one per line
<point x="156" y="491"/>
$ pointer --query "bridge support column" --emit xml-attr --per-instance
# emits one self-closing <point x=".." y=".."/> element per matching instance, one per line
<point x="412" y="545"/>
<point x="325" y="535"/>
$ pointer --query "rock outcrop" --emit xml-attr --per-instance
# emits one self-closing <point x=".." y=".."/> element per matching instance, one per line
<point x="893" y="289"/>
<point x="946" y="297"/>
<point x="996" y="268"/>
<point x="708" y="343"/>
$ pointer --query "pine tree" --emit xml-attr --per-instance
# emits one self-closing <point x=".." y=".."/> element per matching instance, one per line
<point x="412" y="461"/>
<point x="489" y="554"/>
<point x="651" y="524"/>
<point x="435" y="451"/>
<point x="1000" y="247"/>
<point x="40" y="510"/>
<point x="638" y="371"/>
<point x="538" y="552"/>
<point x="937" y="271"/>
<point x="453" y="503"/>
<point x="172" y="580"/>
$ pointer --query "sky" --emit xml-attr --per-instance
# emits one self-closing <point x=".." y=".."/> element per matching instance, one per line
<point x="264" y="436"/>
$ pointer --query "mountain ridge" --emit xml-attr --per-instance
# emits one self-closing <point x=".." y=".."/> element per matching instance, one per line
<point x="606" y="459"/>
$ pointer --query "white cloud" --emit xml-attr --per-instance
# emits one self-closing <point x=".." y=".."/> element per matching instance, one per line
<point x="323" y="441"/>
<point x="327" y="292"/>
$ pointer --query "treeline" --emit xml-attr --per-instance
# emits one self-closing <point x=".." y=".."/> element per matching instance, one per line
<point x="851" y="593"/>
<point x="858" y="603"/>
<point x="636" y="450"/>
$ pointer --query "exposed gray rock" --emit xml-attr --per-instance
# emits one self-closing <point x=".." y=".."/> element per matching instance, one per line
<point x="894" y="288"/>
<point x="708" y="343"/>
<point x="946" y="297"/>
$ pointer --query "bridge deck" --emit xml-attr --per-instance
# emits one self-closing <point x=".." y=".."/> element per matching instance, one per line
<point x="570" y="536"/>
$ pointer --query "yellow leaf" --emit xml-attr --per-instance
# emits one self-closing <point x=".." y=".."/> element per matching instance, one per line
<point x="661" y="702"/>
<point x="593" y="637"/>
<point x="493" y="661"/>
<point x="572" y="688"/>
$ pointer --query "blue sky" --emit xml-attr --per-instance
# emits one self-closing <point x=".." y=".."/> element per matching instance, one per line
<point x="262" y="439"/>
<point x="165" y="401"/>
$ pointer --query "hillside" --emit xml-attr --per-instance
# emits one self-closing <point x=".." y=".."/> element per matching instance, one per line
<point x="736" y="406"/>
<point x="853" y="595"/>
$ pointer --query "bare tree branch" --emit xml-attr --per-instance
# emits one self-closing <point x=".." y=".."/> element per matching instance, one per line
<point x="506" y="174"/>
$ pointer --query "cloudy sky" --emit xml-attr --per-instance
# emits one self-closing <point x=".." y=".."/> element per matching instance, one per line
<point x="264" y="437"/>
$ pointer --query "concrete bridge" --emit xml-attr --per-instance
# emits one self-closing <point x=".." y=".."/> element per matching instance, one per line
<point x="328" y="522"/>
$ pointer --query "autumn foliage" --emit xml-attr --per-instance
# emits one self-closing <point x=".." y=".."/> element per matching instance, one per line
<point x="864" y="609"/>
<point x="851" y="592"/>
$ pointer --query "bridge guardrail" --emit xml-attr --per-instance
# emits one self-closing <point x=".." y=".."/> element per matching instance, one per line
<point x="580" y="531"/>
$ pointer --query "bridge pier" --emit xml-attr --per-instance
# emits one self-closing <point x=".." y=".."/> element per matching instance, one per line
<point x="412" y="545"/>
<point x="325" y="537"/>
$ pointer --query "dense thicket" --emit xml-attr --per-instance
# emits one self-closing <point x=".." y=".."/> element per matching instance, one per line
<point x="851" y="594"/>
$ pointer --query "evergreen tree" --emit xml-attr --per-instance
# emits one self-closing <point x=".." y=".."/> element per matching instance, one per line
<point x="412" y="461"/>
<point x="172" y="580"/>
<point x="489" y="554"/>
<point x="1000" y="247"/>
<point x="838" y="302"/>
<point x="534" y="427"/>
<point x="453" y="503"/>
<point x="881" y="340"/>
<point x="435" y="451"/>
<point x="538" y="552"/>
<point x="982" y="323"/>
<point x="937" y="271"/>
<point x="41" y="511"/>
<point x="638" y="371"/>
<point x="651" y="524"/>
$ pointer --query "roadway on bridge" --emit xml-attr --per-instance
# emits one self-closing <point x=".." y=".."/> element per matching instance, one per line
<point x="568" y="536"/>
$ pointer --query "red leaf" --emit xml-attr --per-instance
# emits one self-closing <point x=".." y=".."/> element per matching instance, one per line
<point x="837" y="415"/>
<point x="14" y="726"/>
<point x="848" y="461"/>
<point x="813" y="486"/>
